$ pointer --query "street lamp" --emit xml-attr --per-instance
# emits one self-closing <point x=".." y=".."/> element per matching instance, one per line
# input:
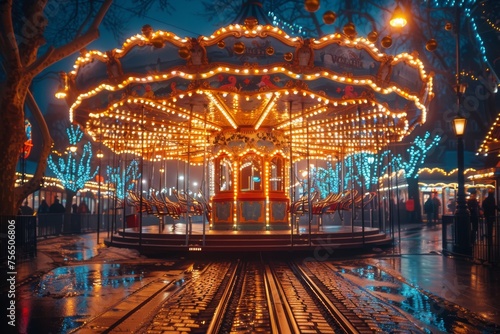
<point x="462" y="216"/>
<point x="398" y="19"/>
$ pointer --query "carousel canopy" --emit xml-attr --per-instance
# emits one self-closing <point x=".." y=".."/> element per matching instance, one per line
<point x="491" y="142"/>
<point x="246" y="87"/>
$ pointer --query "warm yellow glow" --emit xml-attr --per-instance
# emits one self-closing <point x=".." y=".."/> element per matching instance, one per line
<point x="61" y="93"/>
<point x="459" y="124"/>
<point x="398" y="19"/>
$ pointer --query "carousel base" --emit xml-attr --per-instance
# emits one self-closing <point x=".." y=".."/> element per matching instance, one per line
<point x="161" y="239"/>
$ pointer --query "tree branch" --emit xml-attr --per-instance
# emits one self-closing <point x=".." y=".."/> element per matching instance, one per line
<point x="77" y="44"/>
<point x="11" y="50"/>
<point x="34" y="183"/>
<point x="42" y="58"/>
<point x="34" y="23"/>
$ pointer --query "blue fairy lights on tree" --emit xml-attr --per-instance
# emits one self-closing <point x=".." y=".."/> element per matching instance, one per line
<point x="73" y="169"/>
<point x="124" y="179"/>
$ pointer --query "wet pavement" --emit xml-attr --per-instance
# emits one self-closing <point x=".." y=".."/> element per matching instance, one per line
<point x="73" y="279"/>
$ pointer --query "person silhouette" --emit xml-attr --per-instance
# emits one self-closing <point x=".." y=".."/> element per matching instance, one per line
<point x="44" y="207"/>
<point x="473" y="206"/>
<point x="26" y="210"/>
<point x="56" y="207"/>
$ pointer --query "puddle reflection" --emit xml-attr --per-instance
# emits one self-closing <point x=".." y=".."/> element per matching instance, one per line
<point x="433" y="314"/>
<point x="65" y="297"/>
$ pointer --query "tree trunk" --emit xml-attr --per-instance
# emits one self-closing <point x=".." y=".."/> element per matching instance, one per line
<point x="414" y="192"/>
<point x="12" y="138"/>
<point x="69" y="199"/>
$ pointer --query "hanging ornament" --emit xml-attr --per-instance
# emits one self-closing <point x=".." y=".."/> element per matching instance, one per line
<point x="350" y="30"/>
<point x="372" y="36"/>
<point x="448" y="26"/>
<point x="184" y="53"/>
<point x="288" y="56"/>
<point x="239" y="48"/>
<point x="431" y="45"/>
<point x="251" y="22"/>
<point x="386" y="42"/>
<point x="329" y="17"/>
<point x="311" y="5"/>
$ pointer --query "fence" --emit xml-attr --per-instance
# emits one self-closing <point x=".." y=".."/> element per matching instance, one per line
<point x="19" y="233"/>
<point x="52" y="224"/>
<point x="485" y="244"/>
<point x="18" y="238"/>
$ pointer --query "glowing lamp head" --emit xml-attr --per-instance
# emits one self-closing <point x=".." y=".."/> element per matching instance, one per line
<point x="398" y="19"/>
<point x="60" y="93"/>
<point x="72" y="148"/>
<point x="99" y="154"/>
<point x="459" y="124"/>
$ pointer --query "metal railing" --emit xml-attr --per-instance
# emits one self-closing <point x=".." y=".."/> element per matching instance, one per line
<point x="18" y="238"/>
<point x="484" y="245"/>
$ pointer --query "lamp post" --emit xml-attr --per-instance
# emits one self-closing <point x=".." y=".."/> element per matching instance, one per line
<point x="462" y="216"/>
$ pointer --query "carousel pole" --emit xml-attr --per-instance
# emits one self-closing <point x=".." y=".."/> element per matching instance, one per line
<point x="292" y="176"/>
<point x="122" y="167"/>
<point x="309" y="204"/>
<point x="141" y="187"/>
<point x="361" y="163"/>
<point x="379" y="170"/>
<point x="99" y="156"/>
<point x="189" y="226"/>
<point x="203" y="176"/>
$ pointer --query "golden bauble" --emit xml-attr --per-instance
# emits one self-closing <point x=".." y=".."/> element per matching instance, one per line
<point x="157" y="42"/>
<point x="350" y="29"/>
<point x="239" y="48"/>
<point x="329" y="17"/>
<point x="270" y="51"/>
<point x="251" y="22"/>
<point x="184" y="53"/>
<point x="311" y="5"/>
<point x="288" y="56"/>
<point x="431" y="45"/>
<point x="221" y="44"/>
<point x="386" y="42"/>
<point x="372" y="36"/>
<point x="448" y="26"/>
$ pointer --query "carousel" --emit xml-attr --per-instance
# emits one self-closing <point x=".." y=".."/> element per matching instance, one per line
<point x="247" y="104"/>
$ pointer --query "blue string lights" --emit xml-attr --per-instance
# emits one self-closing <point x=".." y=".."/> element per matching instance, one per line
<point x="417" y="154"/>
<point x="124" y="179"/>
<point x="74" y="170"/>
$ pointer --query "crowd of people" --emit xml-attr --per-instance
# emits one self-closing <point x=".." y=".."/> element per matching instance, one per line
<point x="55" y="207"/>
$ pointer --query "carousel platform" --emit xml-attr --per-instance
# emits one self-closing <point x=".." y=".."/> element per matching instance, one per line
<point x="161" y="239"/>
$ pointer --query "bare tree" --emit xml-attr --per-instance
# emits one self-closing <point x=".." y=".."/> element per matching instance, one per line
<point x="33" y="36"/>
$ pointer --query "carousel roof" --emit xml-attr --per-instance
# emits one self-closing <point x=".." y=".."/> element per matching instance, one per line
<point x="167" y="97"/>
<point x="491" y="142"/>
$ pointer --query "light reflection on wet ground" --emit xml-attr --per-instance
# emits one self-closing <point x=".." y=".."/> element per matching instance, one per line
<point x="62" y="298"/>
<point x="431" y="312"/>
<point x="66" y="296"/>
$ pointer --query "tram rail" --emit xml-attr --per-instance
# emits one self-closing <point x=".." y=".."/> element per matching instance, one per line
<point x="294" y="303"/>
